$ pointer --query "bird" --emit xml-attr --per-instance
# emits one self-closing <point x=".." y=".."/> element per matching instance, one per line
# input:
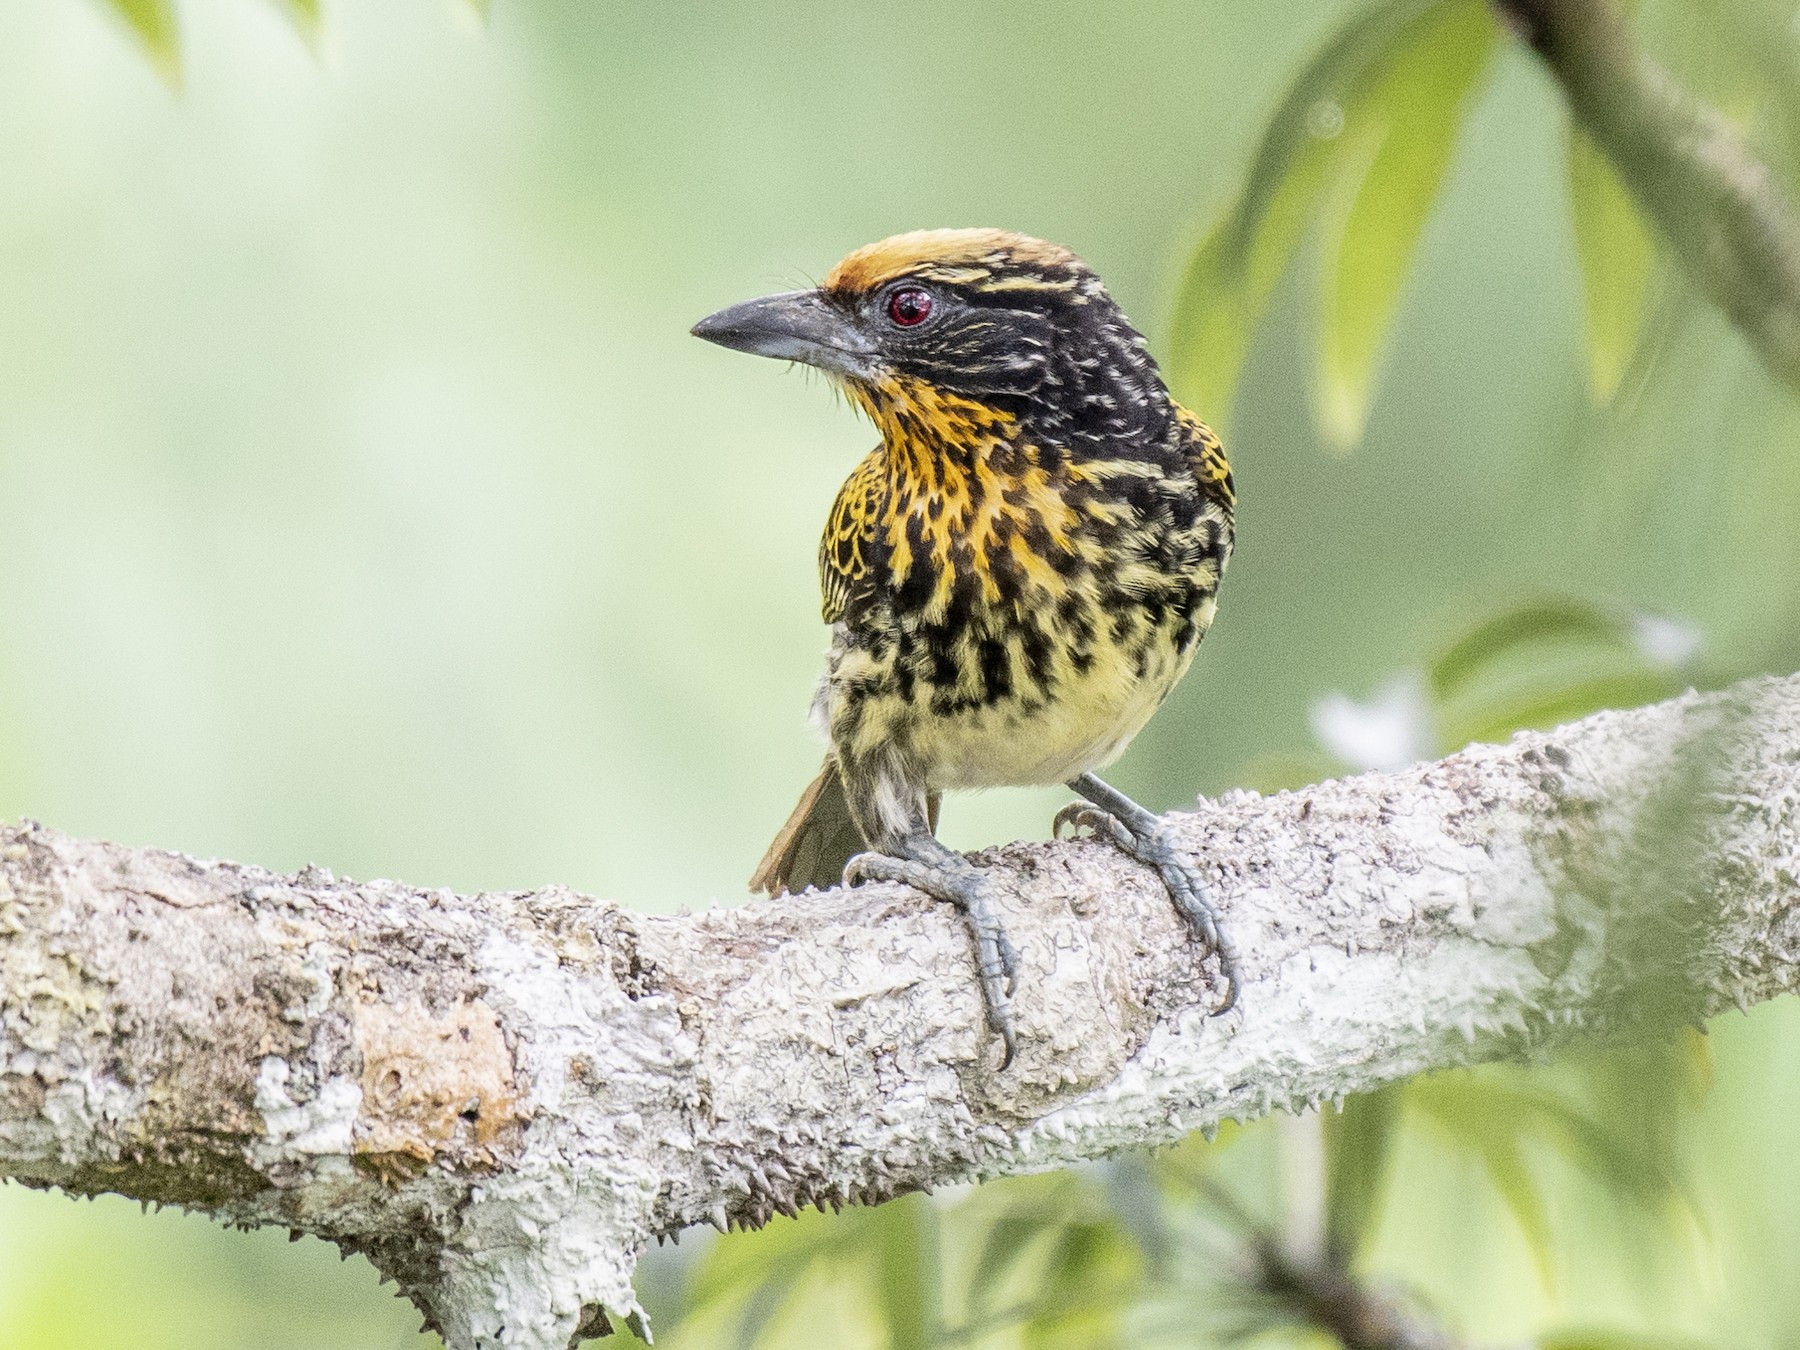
<point x="1015" y="577"/>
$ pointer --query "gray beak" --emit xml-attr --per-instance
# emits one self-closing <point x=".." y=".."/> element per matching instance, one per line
<point x="793" y="326"/>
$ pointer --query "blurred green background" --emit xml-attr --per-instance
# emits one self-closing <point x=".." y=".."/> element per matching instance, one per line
<point x="363" y="501"/>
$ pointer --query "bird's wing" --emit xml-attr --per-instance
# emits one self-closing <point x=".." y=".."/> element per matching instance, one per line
<point x="1206" y="452"/>
<point x="849" y="540"/>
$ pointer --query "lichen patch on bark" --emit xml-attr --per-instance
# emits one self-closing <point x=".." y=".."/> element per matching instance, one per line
<point x="434" y="1083"/>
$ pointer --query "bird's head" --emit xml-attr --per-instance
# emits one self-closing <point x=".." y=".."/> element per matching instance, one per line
<point x="959" y="324"/>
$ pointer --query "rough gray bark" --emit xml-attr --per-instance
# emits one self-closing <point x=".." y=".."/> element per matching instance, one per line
<point x="501" y="1098"/>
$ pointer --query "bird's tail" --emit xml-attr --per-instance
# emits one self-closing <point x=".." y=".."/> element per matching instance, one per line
<point x="818" y="839"/>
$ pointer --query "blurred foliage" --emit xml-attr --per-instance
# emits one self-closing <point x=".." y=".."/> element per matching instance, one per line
<point x="155" y="25"/>
<point x="1052" y="1262"/>
<point x="153" y="21"/>
<point x="351" y="440"/>
<point x="1351" y="164"/>
<point x="1614" y="247"/>
<point x="1352" y="158"/>
<point x="1549" y="661"/>
<point x="1618" y="1340"/>
<point x="1358" y="1136"/>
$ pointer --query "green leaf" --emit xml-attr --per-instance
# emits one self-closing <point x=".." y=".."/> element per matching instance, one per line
<point x="1141" y="1210"/>
<point x="307" y="17"/>
<point x="1357" y="1141"/>
<point x="905" y="1259"/>
<point x="1226" y="288"/>
<point x="1227" y="283"/>
<point x="1766" y="33"/>
<point x="155" y="25"/>
<point x="1315" y="131"/>
<point x="1616" y="255"/>
<point x="1535" y="622"/>
<point x="1407" y="127"/>
<point x="1029" y="1211"/>
<point x="1469" y="1112"/>
<point x="765" y="1301"/>
<point x="1547" y="661"/>
<point x="775" y="1256"/>
<point x="1604" y="1339"/>
<point x="1093" y="1274"/>
<point x="1558" y="703"/>
<point x="1058" y="1261"/>
<point x="894" y="1247"/>
<point x="1637" y="1100"/>
<point x="1615" y="1114"/>
<point x="1008" y="1240"/>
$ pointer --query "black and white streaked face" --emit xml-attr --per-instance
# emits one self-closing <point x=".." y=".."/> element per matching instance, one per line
<point x="998" y="319"/>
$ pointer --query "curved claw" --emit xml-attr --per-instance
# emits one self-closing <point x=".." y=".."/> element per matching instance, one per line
<point x="997" y="961"/>
<point x="1189" y="894"/>
<point x="1182" y="881"/>
<point x="1103" y="824"/>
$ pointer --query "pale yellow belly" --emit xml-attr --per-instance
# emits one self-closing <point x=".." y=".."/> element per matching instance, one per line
<point x="1010" y="742"/>
<point x="1086" y="728"/>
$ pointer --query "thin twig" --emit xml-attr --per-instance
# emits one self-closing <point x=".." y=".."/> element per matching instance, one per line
<point x="1690" y="169"/>
<point x="1317" y="1290"/>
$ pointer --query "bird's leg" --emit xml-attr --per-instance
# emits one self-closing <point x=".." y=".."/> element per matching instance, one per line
<point x="1111" y="815"/>
<point x="914" y="857"/>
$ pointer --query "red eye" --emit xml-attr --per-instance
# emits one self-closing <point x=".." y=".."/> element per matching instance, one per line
<point x="909" y="306"/>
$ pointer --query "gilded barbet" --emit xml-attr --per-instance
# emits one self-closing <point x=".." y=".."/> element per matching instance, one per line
<point x="1015" y="578"/>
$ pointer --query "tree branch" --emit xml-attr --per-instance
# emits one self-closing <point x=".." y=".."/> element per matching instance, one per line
<point x="1325" y="1295"/>
<point x="1316" y="1288"/>
<point x="500" y="1098"/>
<point x="1689" y="168"/>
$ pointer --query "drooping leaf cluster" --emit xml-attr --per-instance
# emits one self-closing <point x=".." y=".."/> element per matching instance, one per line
<point x="1353" y="160"/>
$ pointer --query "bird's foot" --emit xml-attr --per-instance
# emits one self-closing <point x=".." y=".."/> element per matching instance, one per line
<point x="996" y="959"/>
<point x="1147" y="840"/>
